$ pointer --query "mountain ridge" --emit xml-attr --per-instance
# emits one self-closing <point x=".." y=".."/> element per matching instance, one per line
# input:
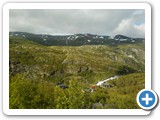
<point x="77" y="39"/>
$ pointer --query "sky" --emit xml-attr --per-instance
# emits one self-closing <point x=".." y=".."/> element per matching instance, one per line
<point x="129" y="22"/>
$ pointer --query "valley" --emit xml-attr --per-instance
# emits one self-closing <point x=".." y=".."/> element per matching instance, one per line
<point x="63" y="72"/>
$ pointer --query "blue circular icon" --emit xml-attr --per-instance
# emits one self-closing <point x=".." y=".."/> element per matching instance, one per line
<point x="147" y="99"/>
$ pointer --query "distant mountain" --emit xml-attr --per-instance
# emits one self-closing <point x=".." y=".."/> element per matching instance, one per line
<point x="77" y="39"/>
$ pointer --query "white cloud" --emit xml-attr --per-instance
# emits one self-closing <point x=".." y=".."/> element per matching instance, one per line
<point x="133" y="26"/>
<point x="127" y="27"/>
<point x="107" y="22"/>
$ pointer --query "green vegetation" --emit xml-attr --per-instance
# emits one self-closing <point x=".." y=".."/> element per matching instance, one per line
<point x="35" y="71"/>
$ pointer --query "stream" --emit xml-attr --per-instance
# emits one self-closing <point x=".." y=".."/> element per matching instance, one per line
<point x="104" y="81"/>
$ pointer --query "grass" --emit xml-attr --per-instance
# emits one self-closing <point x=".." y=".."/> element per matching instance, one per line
<point x="36" y="69"/>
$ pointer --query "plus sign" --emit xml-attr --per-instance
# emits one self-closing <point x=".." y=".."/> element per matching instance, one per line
<point x="147" y="99"/>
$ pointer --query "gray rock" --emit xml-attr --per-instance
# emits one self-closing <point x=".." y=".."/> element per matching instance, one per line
<point x="97" y="105"/>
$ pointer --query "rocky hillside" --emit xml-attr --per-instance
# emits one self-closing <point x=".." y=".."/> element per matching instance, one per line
<point x="78" y="68"/>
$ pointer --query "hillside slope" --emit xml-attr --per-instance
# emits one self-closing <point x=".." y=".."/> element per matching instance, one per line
<point x="37" y="70"/>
